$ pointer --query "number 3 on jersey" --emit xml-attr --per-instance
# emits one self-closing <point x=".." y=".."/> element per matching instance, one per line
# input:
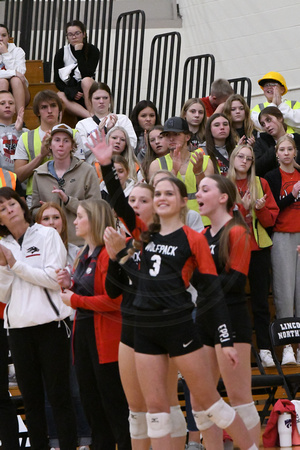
<point x="156" y="265"/>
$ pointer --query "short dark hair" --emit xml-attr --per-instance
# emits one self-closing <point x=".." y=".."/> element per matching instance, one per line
<point x="7" y="193"/>
<point x="45" y="96"/>
<point x="4" y="26"/>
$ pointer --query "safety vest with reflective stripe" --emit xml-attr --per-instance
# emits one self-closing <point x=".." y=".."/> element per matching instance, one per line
<point x="262" y="238"/>
<point x="166" y="163"/>
<point x="33" y="144"/>
<point x="293" y="104"/>
<point x="8" y="179"/>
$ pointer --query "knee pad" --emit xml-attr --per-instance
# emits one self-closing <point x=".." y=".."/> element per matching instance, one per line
<point x="137" y="425"/>
<point x="248" y="414"/>
<point x="221" y="414"/>
<point x="178" y="422"/>
<point x="253" y="447"/>
<point x="202" y="421"/>
<point x="159" y="424"/>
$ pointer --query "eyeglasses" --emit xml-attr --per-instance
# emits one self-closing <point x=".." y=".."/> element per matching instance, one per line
<point x="266" y="85"/>
<point x="244" y="157"/>
<point x="76" y="34"/>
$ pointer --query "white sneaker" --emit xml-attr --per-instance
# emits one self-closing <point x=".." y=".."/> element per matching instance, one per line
<point x="194" y="446"/>
<point x="288" y="356"/>
<point x="267" y="358"/>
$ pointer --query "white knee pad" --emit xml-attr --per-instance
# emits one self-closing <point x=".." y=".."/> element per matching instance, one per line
<point x="202" y="421"/>
<point x="137" y="425"/>
<point x="159" y="424"/>
<point x="178" y="422"/>
<point x="253" y="447"/>
<point x="221" y="414"/>
<point x="248" y="414"/>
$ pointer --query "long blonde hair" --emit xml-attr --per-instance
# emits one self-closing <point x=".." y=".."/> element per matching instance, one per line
<point x="291" y="140"/>
<point x="128" y="153"/>
<point x="250" y="174"/>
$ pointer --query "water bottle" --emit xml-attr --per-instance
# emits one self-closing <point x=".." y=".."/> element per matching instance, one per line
<point x="285" y="430"/>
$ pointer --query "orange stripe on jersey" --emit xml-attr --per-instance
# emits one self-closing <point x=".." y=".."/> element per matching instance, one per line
<point x="202" y="258"/>
<point x="240" y="250"/>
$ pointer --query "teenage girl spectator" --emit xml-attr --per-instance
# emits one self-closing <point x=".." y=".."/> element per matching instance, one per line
<point x="65" y="179"/>
<point x="229" y="242"/>
<point x="194" y="112"/>
<point x="102" y="117"/>
<point x="238" y="113"/>
<point x="285" y="185"/>
<point x="259" y="209"/>
<point x="37" y="319"/>
<point x="143" y="117"/>
<point x="220" y="90"/>
<point x="9" y="132"/>
<point x="12" y="70"/>
<point x="50" y="214"/>
<point x="219" y="142"/>
<point x="122" y="170"/>
<point x="274" y="86"/>
<point x="74" y="69"/>
<point x="188" y="167"/>
<point x="119" y="139"/>
<point x="157" y="146"/>
<point x="272" y="122"/>
<point x="177" y="337"/>
<point x="97" y="331"/>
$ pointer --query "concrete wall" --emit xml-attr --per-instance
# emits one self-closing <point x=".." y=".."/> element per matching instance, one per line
<point x="247" y="37"/>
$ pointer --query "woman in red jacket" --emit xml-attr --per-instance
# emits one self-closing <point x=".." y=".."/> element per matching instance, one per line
<point x="97" y="331"/>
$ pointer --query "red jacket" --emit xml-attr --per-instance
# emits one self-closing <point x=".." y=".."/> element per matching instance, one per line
<point x="2" y="307"/>
<point x="107" y="315"/>
<point x="270" y="436"/>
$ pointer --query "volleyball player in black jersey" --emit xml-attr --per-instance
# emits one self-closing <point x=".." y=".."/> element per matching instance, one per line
<point x="164" y="325"/>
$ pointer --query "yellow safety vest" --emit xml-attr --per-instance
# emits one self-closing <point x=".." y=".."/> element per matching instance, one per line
<point x="8" y="179"/>
<point x="262" y="238"/>
<point x="166" y="163"/>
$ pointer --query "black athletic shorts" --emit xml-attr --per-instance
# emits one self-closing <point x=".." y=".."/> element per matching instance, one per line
<point x="166" y="332"/>
<point x="240" y="322"/>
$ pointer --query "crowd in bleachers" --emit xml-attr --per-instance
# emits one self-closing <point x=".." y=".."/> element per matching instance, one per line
<point x="158" y="227"/>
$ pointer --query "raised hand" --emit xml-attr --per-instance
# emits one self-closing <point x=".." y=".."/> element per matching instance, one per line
<point x="102" y="151"/>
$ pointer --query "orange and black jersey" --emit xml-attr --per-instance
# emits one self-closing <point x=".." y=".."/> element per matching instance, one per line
<point x="167" y="264"/>
<point x="232" y="275"/>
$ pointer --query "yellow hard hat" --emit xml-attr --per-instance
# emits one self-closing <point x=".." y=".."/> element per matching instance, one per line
<point x="273" y="76"/>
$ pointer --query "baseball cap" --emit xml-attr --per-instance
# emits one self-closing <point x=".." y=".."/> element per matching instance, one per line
<point x="176" y="125"/>
<point x="62" y="127"/>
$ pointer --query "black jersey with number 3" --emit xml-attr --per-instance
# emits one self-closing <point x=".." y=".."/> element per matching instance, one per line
<point x="167" y="263"/>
